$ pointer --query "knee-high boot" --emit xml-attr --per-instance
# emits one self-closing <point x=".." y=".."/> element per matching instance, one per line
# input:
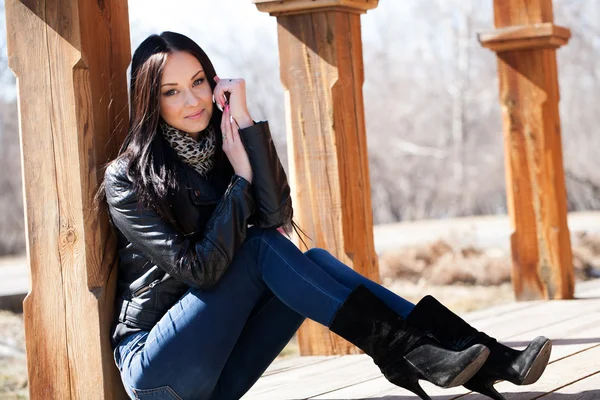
<point x="403" y="353"/>
<point x="504" y="363"/>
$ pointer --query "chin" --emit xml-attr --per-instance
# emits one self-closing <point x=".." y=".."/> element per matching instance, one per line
<point x="193" y="127"/>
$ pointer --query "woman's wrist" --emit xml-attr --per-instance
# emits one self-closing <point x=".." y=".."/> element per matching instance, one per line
<point x="247" y="177"/>
<point x="244" y="121"/>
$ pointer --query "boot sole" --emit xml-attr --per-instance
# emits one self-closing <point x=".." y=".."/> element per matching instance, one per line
<point x="471" y="370"/>
<point x="539" y="364"/>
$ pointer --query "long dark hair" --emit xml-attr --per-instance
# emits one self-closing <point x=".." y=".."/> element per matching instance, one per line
<point x="143" y="149"/>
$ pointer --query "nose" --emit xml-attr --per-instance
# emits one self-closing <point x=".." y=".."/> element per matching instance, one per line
<point x="190" y="99"/>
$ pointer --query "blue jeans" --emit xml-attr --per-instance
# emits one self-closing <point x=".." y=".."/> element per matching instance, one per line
<point x="215" y="344"/>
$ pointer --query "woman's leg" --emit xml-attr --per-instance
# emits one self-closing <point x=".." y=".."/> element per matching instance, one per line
<point x="185" y="353"/>
<point x="403" y="354"/>
<point x="266" y="334"/>
<point x="262" y="340"/>
<point x="188" y="348"/>
<point x="351" y="279"/>
<point x="295" y="279"/>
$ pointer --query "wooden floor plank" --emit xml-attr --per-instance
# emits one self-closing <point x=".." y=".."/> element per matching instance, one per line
<point x="557" y="375"/>
<point x="497" y="311"/>
<point x="574" y="327"/>
<point x="320" y="378"/>
<point x="585" y="389"/>
<point x="568" y="337"/>
<point x="291" y="363"/>
<point x="534" y="319"/>
<point x="588" y="289"/>
<point x="380" y="388"/>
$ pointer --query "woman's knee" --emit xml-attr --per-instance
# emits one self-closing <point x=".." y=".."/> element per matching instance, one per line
<point x="317" y="253"/>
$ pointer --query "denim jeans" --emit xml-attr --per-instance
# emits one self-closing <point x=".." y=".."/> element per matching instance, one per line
<point x="215" y="344"/>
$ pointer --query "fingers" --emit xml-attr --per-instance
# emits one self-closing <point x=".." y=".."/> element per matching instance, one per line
<point x="224" y="88"/>
<point x="219" y="93"/>
<point x="233" y="126"/>
<point x="226" y="126"/>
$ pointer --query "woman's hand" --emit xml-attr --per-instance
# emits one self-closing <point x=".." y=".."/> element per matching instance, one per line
<point x="233" y="146"/>
<point x="236" y="88"/>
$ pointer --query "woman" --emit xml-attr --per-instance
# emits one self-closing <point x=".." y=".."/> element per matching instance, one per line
<point x="206" y="303"/>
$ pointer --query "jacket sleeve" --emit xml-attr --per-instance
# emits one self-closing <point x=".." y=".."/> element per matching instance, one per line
<point x="269" y="181"/>
<point x="197" y="263"/>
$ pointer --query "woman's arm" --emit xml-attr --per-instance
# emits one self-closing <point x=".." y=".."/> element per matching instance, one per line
<point x="199" y="264"/>
<point x="269" y="181"/>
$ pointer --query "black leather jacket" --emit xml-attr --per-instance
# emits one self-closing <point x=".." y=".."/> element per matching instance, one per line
<point x="158" y="262"/>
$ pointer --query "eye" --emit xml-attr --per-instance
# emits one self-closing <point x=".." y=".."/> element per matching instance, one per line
<point x="198" y="81"/>
<point x="169" y="93"/>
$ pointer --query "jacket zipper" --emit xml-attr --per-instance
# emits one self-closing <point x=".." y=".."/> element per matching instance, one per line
<point x="144" y="289"/>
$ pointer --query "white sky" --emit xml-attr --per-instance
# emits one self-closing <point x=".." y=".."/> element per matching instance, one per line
<point x="228" y="30"/>
<point x="221" y="25"/>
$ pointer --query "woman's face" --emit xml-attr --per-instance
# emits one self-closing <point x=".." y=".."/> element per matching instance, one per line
<point x="185" y="95"/>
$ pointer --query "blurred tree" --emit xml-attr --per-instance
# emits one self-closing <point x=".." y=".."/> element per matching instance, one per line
<point x="431" y="104"/>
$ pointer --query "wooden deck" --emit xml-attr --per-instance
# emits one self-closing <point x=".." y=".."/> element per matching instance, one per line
<point x="573" y="372"/>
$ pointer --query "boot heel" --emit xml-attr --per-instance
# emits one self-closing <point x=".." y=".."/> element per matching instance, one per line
<point x="484" y="387"/>
<point x="414" y="387"/>
<point x="411" y="384"/>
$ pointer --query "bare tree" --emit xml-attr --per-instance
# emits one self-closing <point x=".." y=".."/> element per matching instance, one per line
<point x="431" y="106"/>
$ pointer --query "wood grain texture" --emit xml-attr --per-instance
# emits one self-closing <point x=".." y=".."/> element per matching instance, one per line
<point x="536" y="193"/>
<point x="288" y="7"/>
<point x="544" y="35"/>
<point x="522" y="12"/>
<point x="322" y="74"/>
<point x="70" y="60"/>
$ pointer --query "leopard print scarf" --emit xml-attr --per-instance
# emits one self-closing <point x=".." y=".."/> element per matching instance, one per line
<point x="197" y="154"/>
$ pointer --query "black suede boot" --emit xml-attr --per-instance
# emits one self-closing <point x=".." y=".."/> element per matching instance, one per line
<point x="504" y="363"/>
<point x="402" y="353"/>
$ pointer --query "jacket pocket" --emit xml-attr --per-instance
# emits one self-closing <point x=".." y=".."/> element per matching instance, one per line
<point x="145" y="288"/>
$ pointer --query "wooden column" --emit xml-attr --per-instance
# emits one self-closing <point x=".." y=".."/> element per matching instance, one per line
<point x="321" y="64"/>
<point x="525" y="42"/>
<point x="70" y="58"/>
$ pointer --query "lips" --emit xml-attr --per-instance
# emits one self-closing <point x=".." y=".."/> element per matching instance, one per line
<point x="195" y="115"/>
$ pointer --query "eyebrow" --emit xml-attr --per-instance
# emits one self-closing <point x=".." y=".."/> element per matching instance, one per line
<point x="174" y="84"/>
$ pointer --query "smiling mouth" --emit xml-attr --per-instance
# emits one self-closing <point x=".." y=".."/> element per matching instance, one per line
<point x="195" y="114"/>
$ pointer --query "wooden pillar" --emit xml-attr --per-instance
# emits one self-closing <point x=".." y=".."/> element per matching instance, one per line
<point x="70" y="58"/>
<point x="321" y="70"/>
<point x="525" y="41"/>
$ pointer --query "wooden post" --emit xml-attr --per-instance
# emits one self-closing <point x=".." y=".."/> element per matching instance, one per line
<point x="321" y="67"/>
<point x="525" y="42"/>
<point x="70" y="58"/>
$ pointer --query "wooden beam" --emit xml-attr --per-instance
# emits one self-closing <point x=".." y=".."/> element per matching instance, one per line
<point x="322" y="74"/>
<point x="288" y="7"/>
<point x="525" y="41"/>
<point x="546" y="35"/>
<point x="70" y="58"/>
